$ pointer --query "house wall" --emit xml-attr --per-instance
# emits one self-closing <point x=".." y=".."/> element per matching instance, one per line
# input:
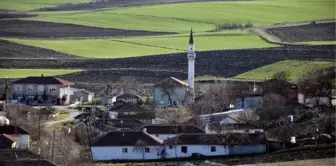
<point x="178" y="95"/>
<point x="246" y="149"/>
<point x="312" y="100"/>
<point x="116" y="153"/>
<point x="251" y="131"/>
<point x="201" y="149"/>
<point x="249" y="102"/>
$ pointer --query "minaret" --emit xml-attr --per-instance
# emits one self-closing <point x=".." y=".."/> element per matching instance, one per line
<point x="191" y="64"/>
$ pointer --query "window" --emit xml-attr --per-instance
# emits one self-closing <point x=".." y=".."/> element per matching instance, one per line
<point x="213" y="148"/>
<point x="170" y="146"/>
<point x="29" y="88"/>
<point x="146" y="150"/>
<point x="40" y="88"/>
<point x="124" y="150"/>
<point x="184" y="149"/>
<point x="246" y="131"/>
<point x="52" y="90"/>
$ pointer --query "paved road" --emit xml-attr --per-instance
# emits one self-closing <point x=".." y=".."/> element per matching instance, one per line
<point x="72" y="114"/>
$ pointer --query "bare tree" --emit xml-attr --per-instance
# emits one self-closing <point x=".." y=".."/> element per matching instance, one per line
<point x="272" y="107"/>
<point x="174" y="115"/>
<point x="218" y="97"/>
<point x="141" y="146"/>
<point x="318" y="82"/>
<point x="127" y="84"/>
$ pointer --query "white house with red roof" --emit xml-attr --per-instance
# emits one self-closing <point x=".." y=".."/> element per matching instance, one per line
<point x="52" y="89"/>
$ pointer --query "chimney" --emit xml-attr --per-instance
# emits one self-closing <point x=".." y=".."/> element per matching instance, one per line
<point x="42" y="75"/>
<point x="144" y="130"/>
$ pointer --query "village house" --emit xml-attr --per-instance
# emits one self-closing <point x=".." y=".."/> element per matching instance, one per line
<point x="16" y="134"/>
<point x="128" y="97"/>
<point x="122" y="109"/>
<point x="80" y="95"/>
<point x="48" y="89"/>
<point x="171" y="92"/>
<point x="165" y="131"/>
<point x="188" y="145"/>
<point x="126" y="145"/>
<point x="107" y="95"/>
<point x="241" y="127"/>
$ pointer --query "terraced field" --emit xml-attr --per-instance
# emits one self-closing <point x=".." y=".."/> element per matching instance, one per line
<point x="305" y="33"/>
<point x="144" y="46"/>
<point x="295" y="68"/>
<point x="21" y="73"/>
<point x="37" y="29"/>
<point x="202" y="16"/>
<point x="148" y="40"/>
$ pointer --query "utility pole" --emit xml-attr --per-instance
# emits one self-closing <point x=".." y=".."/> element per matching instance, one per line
<point x="6" y="95"/>
<point x="53" y="146"/>
<point x="39" y="134"/>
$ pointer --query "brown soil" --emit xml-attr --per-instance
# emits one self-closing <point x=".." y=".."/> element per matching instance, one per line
<point x="38" y="29"/>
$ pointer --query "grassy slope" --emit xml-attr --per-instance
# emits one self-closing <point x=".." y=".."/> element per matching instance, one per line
<point x="20" y="73"/>
<point x="295" y="68"/>
<point x="110" y="48"/>
<point x="204" y="16"/>
<point x="219" y="41"/>
<point x="106" y="19"/>
<point x="25" y="5"/>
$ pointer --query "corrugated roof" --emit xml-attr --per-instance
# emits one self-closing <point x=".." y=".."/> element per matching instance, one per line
<point x="218" y="139"/>
<point x="171" y="129"/>
<point x="125" y="138"/>
<point x="9" y="129"/>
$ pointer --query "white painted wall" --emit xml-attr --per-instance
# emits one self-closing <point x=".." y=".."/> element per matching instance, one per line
<point x="164" y="136"/>
<point x="201" y="149"/>
<point x="116" y="153"/>
<point x="23" y="141"/>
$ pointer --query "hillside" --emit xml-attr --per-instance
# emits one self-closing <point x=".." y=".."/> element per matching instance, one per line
<point x="110" y="39"/>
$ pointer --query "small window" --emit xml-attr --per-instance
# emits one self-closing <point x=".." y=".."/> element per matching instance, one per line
<point x="213" y="148"/>
<point x="170" y="146"/>
<point x="246" y="131"/>
<point x="184" y="149"/>
<point x="146" y="150"/>
<point x="124" y="150"/>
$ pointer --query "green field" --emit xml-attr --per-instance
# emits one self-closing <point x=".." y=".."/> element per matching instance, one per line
<point x="21" y="73"/>
<point x="294" y="68"/>
<point x="141" y="46"/>
<point x="26" y="5"/>
<point x="201" y="16"/>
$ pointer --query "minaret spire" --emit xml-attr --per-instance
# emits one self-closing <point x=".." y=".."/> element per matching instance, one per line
<point x="191" y="64"/>
<point x="191" y="38"/>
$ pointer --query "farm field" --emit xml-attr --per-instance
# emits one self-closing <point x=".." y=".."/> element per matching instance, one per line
<point x="323" y="32"/>
<point x="37" y="29"/>
<point x="294" y="68"/>
<point x="179" y="17"/>
<point x="20" y="73"/>
<point x="24" y="5"/>
<point x="120" y="47"/>
<point x="151" y="69"/>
